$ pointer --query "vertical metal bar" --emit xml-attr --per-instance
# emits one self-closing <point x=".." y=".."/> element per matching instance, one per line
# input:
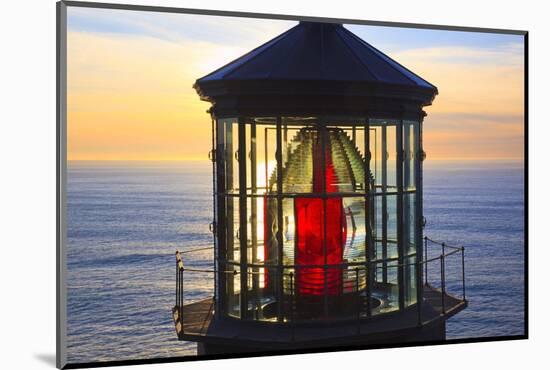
<point x="181" y="300"/>
<point x="358" y="300"/>
<point x="443" y="278"/>
<point x="243" y="219"/>
<point x="463" y="276"/>
<point x="406" y="186"/>
<point x="442" y="261"/>
<point x="384" y="158"/>
<point x="426" y="258"/>
<point x="214" y="207"/>
<point x="230" y="207"/>
<point x="419" y="299"/>
<point x="285" y="140"/>
<point x="221" y="220"/>
<point x="266" y="160"/>
<point x="254" y="207"/>
<point x="182" y="287"/>
<point x="324" y="148"/>
<point x="177" y="282"/>
<point x="369" y="217"/>
<point x="375" y="152"/>
<point x="418" y="216"/>
<point x="292" y="303"/>
<point x="402" y="270"/>
<point x="297" y="269"/>
<point x="279" y="236"/>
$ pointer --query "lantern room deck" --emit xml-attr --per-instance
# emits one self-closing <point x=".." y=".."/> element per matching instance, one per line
<point x="198" y="324"/>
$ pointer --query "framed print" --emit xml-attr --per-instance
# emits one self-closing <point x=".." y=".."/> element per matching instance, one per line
<point x="236" y="184"/>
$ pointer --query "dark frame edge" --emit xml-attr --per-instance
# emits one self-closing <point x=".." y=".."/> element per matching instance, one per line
<point x="226" y="13"/>
<point x="300" y="351"/>
<point x="526" y="183"/>
<point x="61" y="170"/>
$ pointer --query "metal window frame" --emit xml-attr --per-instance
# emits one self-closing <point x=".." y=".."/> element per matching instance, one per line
<point x="279" y="235"/>
<point x="418" y="178"/>
<point x="243" y="219"/>
<point x="399" y="211"/>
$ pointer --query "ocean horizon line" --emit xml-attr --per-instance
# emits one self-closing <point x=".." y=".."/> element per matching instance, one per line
<point x="504" y="159"/>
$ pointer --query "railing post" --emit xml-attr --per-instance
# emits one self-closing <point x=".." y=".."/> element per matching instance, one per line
<point x="442" y="260"/>
<point x="292" y="304"/>
<point x="179" y="288"/>
<point x="358" y="300"/>
<point x="426" y="258"/>
<point x="177" y="281"/>
<point x="370" y="281"/>
<point x="463" y="276"/>
<point x="181" y="298"/>
<point x="419" y="300"/>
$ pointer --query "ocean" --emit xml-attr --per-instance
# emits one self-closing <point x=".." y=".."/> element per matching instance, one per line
<point x="126" y="220"/>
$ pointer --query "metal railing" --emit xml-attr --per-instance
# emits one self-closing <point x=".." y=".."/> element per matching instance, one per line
<point x="442" y="258"/>
<point x="289" y="313"/>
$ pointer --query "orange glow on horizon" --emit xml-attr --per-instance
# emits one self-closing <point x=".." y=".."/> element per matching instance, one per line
<point x="131" y="98"/>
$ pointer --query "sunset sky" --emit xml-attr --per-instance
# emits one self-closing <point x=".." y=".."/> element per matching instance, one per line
<point x="130" y="77"/>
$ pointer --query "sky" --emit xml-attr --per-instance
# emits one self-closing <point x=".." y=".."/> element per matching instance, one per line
<point x="130" y="78"/>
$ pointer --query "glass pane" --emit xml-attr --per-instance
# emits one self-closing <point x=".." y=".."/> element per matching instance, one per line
<point x="375" y="142"/>
<point x="232" y="225"/>
<point x="262" y="166"/>
<point x="266" y="139"/>
<point x="345" y="167"/>
<point x="298" y="156"/>
<point x="289" y="228"/>
<point x="379" y="226"/>
<point x="409" y="226"/>
<point x="256" y="232"/>
<point x="391" y="216"/>
<point x="354" y="229"/>
<point x="385" y="293"/>
<point x="270" y="227"/>
<point x="383" y="143"/>
<point x="250" y="151"/>
<point x="262" y="303"/>
<point x="251" y="230"/>
<point x="230" y="137"/>
<point x="409" y="150"/>
<point x="391" y="154"/>
<point x="233" y="288"/>
<point x="410" y="280"/>
<point x="386" y="226"/>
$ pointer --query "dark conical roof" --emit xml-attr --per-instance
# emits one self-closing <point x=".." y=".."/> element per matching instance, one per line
<point x="317" y="51"/>
<point x="313" y="59"/>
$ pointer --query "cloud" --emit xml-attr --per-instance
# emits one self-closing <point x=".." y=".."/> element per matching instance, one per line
<point x="479" y="110"/>
<point x="132" y="98"/>
<point x="130" y="77"/>
<point x="510" y="54"/>
<point x="471" y="80"/>
<point x="221" y="30"/>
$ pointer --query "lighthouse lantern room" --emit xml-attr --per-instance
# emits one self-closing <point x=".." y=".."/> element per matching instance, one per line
<point x="318" y="221"/>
